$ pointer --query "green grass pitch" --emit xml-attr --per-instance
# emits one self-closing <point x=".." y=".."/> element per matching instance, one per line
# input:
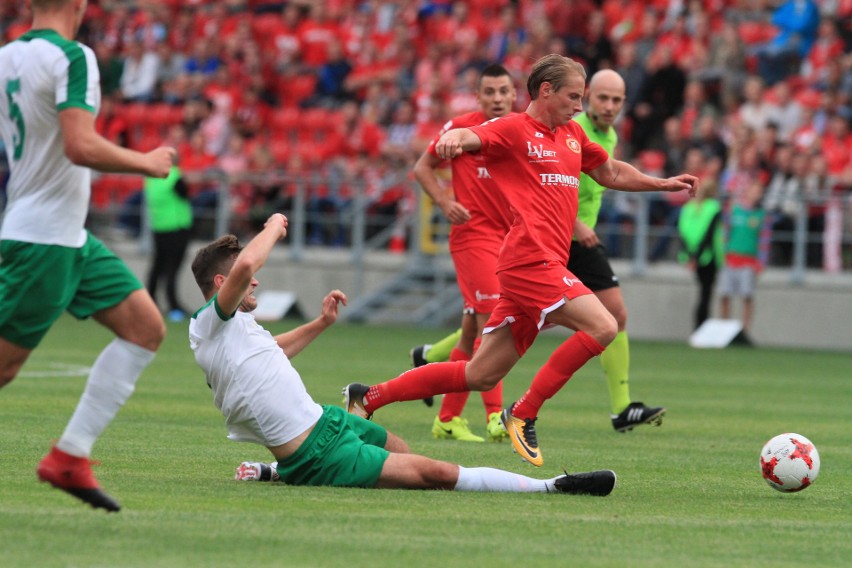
<point x="689" y="493"/>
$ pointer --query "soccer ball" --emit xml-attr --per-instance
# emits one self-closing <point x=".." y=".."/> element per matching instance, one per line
<point x="789" y="462"/>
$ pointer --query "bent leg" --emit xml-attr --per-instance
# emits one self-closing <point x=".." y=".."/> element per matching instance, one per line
<point x="396" y="445"/>
<point x="412" y="471"/>
<point x="12" y="358"/>
<point x="595" y="329"/>
<point x="136" y="319"/>
<point x="139" y="327"/>
<point x="493" y="360"/>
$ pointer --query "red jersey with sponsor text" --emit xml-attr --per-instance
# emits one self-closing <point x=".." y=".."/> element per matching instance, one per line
<point x="538" y="171"/>
<point x="490" y="215"/>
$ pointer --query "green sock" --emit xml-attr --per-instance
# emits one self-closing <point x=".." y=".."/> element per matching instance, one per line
<point x="440" y="351"/>
<point x="616" y="364"/>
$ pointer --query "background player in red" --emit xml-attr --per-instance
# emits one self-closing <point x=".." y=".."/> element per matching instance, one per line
<point x="535" y="158"/>
<point x="481" y="218"/>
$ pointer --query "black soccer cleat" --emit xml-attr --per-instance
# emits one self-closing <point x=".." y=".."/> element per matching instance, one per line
<point x="418" y="359"/>
<point x="599" y="483"/>
<point x="637" y="414"/>
<point x="353" y="400"/>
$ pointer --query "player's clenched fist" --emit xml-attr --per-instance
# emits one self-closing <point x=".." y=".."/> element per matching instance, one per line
<point x="160" y="161"/>
<point x="449" y="145"/>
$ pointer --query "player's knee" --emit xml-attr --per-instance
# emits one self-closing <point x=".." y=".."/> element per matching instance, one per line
<point x="441" y="475"/>
<point x="481" y="381"/>
<point x="8" y="371"/>
<point x="604" y="330"/>
<point x="151" y="335"/>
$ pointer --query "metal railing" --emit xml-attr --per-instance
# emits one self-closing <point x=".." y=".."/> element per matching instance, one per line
<point x="626" y="224"/>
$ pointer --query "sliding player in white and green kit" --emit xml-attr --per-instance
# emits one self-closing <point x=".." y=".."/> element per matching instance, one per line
<point x="589" y="262"/>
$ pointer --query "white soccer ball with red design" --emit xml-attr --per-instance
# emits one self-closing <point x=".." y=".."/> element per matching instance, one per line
<point x="789" y="462"/>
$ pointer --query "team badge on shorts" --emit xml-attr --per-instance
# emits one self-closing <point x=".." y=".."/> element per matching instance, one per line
<point x="573" y="145"/>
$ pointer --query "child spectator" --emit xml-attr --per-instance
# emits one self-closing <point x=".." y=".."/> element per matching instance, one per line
<point x="745" y="255"/>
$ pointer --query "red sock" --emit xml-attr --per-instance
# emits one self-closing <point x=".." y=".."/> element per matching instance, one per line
<point x="562" y="364"/>
<point x="453" y="403"/>
<point x="493" y="400"/>
<point x="420" y="382"/>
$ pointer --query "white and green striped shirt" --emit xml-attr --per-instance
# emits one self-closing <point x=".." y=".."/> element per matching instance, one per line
<point x="41" y="73"/>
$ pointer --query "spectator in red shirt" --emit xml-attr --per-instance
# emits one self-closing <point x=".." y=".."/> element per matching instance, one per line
<point x="315" y="33"/>
<point x="251" y="116"/>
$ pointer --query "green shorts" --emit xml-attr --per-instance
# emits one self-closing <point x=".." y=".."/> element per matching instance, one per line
<point x="343" y="450"/>
<point x="38" y="282"/>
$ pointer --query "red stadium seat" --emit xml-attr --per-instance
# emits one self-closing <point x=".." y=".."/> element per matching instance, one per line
<point x="134" y="113"/>
<point x="293" y="90"/>
<point x="316" y="124"/>
<point x="285" y="120"/>
<point x="280" y="149"/>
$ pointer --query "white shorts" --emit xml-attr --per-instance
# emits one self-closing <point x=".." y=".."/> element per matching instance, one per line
<point x="738" y="282"/>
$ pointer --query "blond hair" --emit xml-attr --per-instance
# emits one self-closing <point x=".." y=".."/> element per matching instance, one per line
<point x="554" y="69"/>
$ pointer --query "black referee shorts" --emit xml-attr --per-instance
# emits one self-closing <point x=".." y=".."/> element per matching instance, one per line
<point x="591" y="266"/>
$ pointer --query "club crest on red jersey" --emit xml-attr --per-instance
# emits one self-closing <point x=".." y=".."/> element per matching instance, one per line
<point x="573" y="145"/>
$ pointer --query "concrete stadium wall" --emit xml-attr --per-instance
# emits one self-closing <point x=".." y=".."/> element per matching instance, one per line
<point x="816" y="315"/>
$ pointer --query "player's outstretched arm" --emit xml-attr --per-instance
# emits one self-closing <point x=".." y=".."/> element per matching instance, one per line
<point x="85" y="147"/>
<point x="454" y="142"/>
<point x="292" y="342"/>
<point x="616" y="174"/>
<point x="424" y="173"/>
<point x="248" y="262"/>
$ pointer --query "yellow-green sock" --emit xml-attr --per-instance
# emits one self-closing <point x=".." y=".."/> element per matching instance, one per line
<point x="440" y="351"/>
<point x="616" y="364"/>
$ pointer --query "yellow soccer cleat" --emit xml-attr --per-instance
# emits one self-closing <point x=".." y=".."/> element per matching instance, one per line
<point x="455" y="429"/>
<point x="522" y="434"/>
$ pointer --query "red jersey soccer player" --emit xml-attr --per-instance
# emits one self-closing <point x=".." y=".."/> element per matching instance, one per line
<point x="481" y="218"/>
<point x="535" y="159"/>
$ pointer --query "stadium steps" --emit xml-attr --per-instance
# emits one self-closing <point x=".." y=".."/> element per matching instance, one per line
<point x="424" y="294"/>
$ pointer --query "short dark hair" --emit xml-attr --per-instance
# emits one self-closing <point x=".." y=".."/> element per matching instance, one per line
<point x="493" y="70"/>
<point x="215" y="258"/>
<point x="553" y="69"/>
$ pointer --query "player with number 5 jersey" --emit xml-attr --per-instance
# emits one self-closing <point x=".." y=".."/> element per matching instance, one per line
<point x="50" y="264"/>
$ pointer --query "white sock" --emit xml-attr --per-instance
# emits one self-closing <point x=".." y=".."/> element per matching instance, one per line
<point x="111" y="382"/>
<point x="490" y="479"/>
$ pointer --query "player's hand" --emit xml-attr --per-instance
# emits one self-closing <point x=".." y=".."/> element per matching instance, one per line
<point x="585" y="235"/>
<point x="455" y="212"/>
<point x="330" y="305"/>
<point x="278" y="220"/>
<point x="449" y="145"/>
<point x="681" y="182"/>
<point x="160" y="161"/>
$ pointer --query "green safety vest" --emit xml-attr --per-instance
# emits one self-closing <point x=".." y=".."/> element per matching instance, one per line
<point x="700" y="228"/>
<point x="591" y="192"/>
<point x="167" y="211"/>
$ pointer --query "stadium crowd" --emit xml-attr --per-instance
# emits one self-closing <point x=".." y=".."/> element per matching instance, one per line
<point x="265" y="91"/>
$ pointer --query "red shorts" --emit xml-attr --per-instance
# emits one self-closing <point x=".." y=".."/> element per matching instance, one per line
<point x="527" y="295"/>
<point x="476" y="273"/>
